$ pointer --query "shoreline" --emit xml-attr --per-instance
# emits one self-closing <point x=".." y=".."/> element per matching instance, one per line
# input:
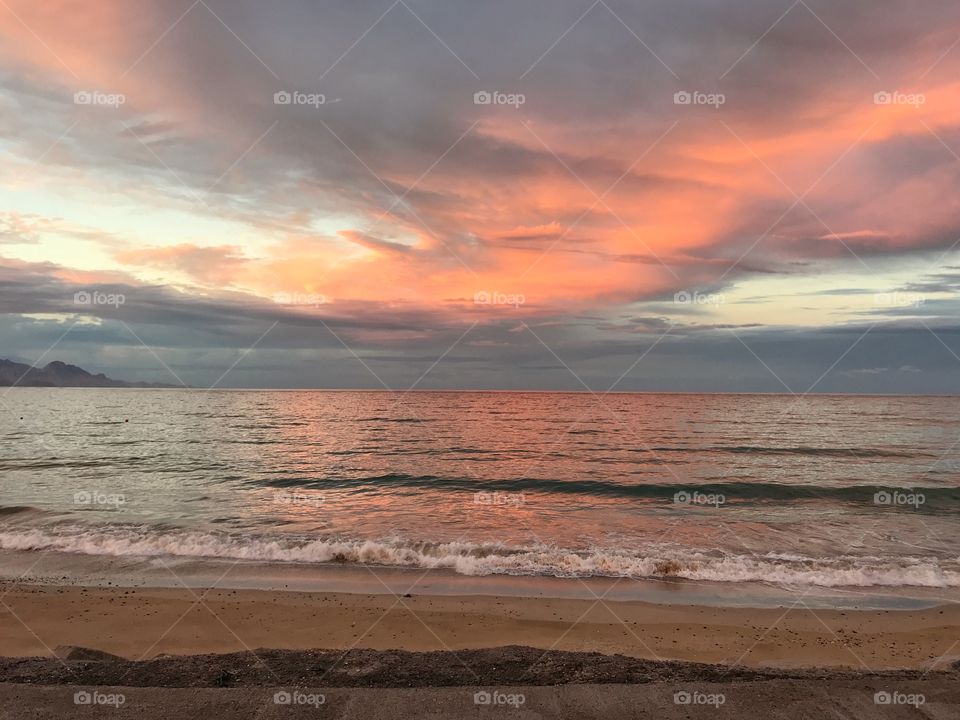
<point x="146" y="622"/>
<point x="58" y="569"/>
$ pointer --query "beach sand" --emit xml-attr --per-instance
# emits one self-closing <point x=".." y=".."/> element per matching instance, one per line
<point x="850" y="699"/>
<point x="146" y="622"/>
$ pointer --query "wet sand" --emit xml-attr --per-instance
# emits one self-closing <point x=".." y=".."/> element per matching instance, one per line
<point x="146" y="622"/>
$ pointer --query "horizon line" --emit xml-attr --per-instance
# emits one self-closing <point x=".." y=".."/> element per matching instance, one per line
<point x="493" y="390"/>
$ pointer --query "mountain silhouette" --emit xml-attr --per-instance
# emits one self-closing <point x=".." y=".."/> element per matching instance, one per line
<point x="61" y="374"/>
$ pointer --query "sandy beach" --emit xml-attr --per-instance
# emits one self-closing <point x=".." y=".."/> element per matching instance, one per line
<point x="146" y="622"/>
<point x="213" y="660"/>
<point x="787" y="699"/>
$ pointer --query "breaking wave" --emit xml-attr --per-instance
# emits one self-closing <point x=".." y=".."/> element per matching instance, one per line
<point x="492" y="558"/>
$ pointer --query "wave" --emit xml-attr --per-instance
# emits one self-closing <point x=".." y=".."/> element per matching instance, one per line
<point x="11" y="510"/>
<point x="492" y="558"/>
<point x="858" y="452"/>
<point x="935" y="497"/>
<point x="383" y="418"/>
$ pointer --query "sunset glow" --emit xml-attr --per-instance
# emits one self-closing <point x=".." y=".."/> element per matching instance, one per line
<point x="793" y="178"/>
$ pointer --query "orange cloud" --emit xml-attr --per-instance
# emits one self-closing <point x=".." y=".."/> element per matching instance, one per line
<point x="533" y="205"/>
<point x="219" y="265"/>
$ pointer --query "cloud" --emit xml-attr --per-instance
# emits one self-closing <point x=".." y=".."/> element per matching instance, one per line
<point x="377" y="245"/>
<point x="318" y="347"/>
<point x="536" y="232"/>
<point x="404" y="198"/>
<point x="207" y="265"/>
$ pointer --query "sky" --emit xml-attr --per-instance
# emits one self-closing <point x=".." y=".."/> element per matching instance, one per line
<point x="699" y="195"/>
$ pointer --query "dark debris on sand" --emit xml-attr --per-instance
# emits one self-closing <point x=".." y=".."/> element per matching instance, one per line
<point x="389" y="669"/>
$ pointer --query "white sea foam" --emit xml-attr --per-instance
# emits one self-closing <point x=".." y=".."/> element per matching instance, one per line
<point x="494" y="558"/>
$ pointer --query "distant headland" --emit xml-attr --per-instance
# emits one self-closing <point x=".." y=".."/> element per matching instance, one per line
<point x="61" y="374"/>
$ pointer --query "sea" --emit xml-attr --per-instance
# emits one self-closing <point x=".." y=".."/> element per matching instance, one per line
<point x="813" y="494"/>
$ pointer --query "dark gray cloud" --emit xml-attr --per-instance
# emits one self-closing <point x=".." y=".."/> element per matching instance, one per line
<point x="368" y="347"/>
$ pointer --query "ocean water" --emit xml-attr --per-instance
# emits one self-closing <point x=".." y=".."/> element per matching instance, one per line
<point x="814" y="492"/>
